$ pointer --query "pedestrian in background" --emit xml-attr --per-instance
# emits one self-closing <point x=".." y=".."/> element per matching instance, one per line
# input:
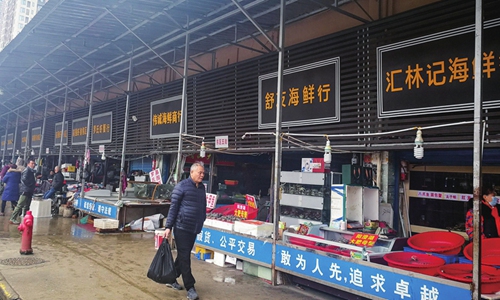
<point x="57" y="183"/>
<point x="186" y="216"/>
<point x="10" y="193"/>
<point x="28" y="183"/>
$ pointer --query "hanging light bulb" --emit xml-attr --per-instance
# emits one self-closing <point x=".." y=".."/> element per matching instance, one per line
<point x="32" y="152"/>
<point x="103" y="156"/>
<point x="418" y="151"/>
<point x="328" y="153"/>
<point x="202" y="149"/>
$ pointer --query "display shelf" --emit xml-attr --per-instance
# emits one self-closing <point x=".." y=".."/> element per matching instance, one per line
<point x="304" y="201"/>
<point x="302" y="197"/>
<point x="354" y="203"/>
<point x="297" y="221"/>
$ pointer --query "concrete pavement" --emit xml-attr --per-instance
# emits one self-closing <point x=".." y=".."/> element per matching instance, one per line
<point x="72" y="262"/>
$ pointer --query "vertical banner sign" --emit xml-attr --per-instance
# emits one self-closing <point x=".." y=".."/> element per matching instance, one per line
<point x="102" y="128"/>
<point x="36" y="137"/>
<point x="165" y="118"/>
<point x="79" y="131"/>
<point x="2" y="144"/>
<point x="435" y="73"/>
<point x="57" y="139"/>
<point x="10" y="141"/>
<point x="24" y="138"/>
<point x="311" y="95"/>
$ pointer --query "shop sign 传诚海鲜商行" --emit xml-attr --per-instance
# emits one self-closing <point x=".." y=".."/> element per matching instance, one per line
<point x="165" y="118"/>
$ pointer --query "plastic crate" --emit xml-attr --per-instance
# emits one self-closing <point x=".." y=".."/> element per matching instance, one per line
<point x="106" y="223"/>
<point x="449" y="259"/>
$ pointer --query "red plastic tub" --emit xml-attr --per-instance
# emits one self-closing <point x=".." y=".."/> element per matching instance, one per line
<point x="490" y="251"/>
<point x="415" y="262"/>
<point x="442" y="242"/>
<point x="490" y="276"/>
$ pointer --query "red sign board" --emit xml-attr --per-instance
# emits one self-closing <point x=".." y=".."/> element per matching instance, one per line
<point x="364" y="239"/>
<point x="241" y="210"/>
<point x="250" y="201"/>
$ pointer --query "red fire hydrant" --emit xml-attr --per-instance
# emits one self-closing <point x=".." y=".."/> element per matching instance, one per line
<point x="26" y="227"/>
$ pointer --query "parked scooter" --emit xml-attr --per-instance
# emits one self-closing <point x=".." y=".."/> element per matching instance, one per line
<point x="59" y="199"/>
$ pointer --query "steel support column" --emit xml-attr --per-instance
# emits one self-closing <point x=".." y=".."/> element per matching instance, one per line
<point x="277" y="153"/>
<point x="62" y="127"/>
<point x="5" y="140"/>
<point x="86" y="160"/>
<point x="27" y="135"/>
<point x="125" y="128"/>
<point x="477" y="156"/>
<point x="42" y="133"/>
<point x="15" y="139"/>
<point x="183" y="124"/>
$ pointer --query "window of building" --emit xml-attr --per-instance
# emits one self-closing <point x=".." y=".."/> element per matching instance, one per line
<point x="20" y="26"/>
<point x="27" y="19"/>
<point x="24" y="2"/>
<point x="28" y="12"/>
<point x="21" y="18"/>
<point x="23" y="10"/>
<point x="29" y="4"/>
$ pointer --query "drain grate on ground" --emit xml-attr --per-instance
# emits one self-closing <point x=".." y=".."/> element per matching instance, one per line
<point x="22" y="261"/>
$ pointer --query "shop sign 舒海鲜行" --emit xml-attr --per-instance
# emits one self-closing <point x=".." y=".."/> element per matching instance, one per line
<point x="165" y="118"/>
<point x="36" y="137"/>
<point x="311" y="95"/>
<point x="24" y="138"/>
<point x="79" y="131"/>
<point x="57" y="139"/>
<point x="102" y="128"/>
<point x="435" y="73"/>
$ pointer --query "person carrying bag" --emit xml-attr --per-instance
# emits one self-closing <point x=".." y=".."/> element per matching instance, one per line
<point x="162" y="269"/>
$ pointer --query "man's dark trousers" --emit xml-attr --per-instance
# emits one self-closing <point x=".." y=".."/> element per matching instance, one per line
<point x="184" y="242"/>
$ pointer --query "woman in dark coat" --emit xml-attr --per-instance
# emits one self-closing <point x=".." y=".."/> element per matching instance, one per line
<point x="11" y="192"/>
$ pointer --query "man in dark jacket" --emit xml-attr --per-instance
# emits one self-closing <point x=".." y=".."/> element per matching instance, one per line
<point x="28" y="183"/>
<point x="186" y="216"/>
<point x="57" y="183"/>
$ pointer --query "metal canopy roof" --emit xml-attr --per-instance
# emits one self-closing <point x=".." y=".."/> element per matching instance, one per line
<point x="70" y="41"/>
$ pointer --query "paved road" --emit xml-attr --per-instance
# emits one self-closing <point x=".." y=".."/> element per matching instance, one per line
<point x="71" y="262"/>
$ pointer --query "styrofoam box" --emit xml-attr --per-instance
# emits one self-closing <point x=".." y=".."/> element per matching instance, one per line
<point x="208" y="222"/>
<point x="41" y="208"/>
<point x="253" y="227"/>
<point x="222" y="225"/>
<point x="106" y="223"/>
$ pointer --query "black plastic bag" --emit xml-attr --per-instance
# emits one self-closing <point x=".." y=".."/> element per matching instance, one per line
<point x="162" y="269"/>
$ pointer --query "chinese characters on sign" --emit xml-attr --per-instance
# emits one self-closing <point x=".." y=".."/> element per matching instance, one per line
<point x="24" y="138"/>
<point x="250" y="200"/>
<point x="444" y="196"/>
<point x="241" y="210"/>
<point x="378" y="281"/>
<point x="99" y="208"/>
<point x="169" y="117"/>
<point x="364" y="239"/>
<point x="413" y="75"/>
<point x="222" y="141"/>
<point x="59" y="131"/>
<point x="36" y="137"/>
<point x="211" y="200"/>
<point x="165" y="117"/>
<point x="102" y="128"/>
<point x="79" y="131"/>
<point x="311" y="95"/>
<point x="155" y="176"/>
<point x="236" y="245"/>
